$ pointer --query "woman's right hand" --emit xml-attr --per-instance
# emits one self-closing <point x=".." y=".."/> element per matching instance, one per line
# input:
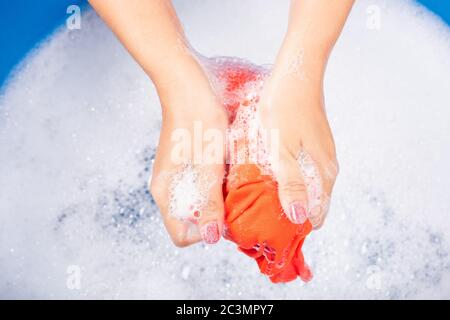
<point x="192" y="117"/>
<point x="151" y="31"/>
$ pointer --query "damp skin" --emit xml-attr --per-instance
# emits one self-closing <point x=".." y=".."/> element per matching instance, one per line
<point x="294" y="68"/>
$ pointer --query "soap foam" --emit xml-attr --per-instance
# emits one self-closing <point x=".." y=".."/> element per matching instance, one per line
<point x="189" y="192"/>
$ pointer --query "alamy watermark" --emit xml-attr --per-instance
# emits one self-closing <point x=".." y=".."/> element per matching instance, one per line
<point x="73" y="21"/>
<point x="373" y="21"/>
<point x="232" y="146"/>
<point x="73" y="281"/>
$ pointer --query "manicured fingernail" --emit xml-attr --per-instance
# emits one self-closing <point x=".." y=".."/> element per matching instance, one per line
<point x="210" y="233"/>
<point x="298" y="213"/>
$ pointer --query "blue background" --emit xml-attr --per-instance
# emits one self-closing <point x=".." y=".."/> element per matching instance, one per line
<point x="26" y="22"/>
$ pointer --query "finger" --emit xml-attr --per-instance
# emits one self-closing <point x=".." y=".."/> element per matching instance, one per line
<point x="211" y="217"/>
<point x="318" y="215"/>
<point x="328" y="170"/>
<point x="189" y="196"/>
<point x="182" y="233"/>
<point x="291" y="188"/>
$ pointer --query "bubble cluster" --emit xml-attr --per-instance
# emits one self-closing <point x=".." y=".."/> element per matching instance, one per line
<point x="188" y="192"/>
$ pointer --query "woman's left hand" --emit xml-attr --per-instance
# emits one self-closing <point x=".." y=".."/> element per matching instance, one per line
<point x="292" y="103"/>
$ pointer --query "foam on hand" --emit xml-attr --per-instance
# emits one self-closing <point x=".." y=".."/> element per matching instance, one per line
<point x="188" y="193"/>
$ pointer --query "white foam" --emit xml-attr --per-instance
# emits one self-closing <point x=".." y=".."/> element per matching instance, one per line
<point x="78" y="127"/>
<point x="189" y="192"/>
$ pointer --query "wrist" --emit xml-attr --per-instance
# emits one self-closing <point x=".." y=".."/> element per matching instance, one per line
<point x="309" y="40"/>
<point x="313" y="52"/>
<point x="174" y="68"/>
<point x="299" y="64"/>
<point x="184" y="89"/>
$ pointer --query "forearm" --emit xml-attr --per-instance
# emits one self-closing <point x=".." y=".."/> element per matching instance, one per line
<point x="313" y="29"/>
<point x="151" y="31"/>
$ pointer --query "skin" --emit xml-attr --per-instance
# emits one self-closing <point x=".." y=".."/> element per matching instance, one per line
<point x="292" y="102"/>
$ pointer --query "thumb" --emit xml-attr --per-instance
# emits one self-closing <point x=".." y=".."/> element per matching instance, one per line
<point x="292" y="189"/>
<point x="210" y="220"/>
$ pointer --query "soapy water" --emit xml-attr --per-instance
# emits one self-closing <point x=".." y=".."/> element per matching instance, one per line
<point x="78" y="128"/>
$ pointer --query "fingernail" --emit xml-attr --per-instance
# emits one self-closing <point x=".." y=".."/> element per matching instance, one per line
<point x="298" y="213"/>
<point x="210" y="233"/>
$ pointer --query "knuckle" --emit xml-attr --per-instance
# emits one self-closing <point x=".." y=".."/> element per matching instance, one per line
<point x="318" y="222"/>
<point x="292" y="187"/>
<point x="180" y="242"/>
<point x="178" y="238"/>
<point x="331" y="169"/>
<point x="214" y="206"/>
<point x="155" y="189"/>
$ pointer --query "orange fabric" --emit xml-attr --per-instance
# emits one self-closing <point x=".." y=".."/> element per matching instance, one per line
<point x="254" y="218"/>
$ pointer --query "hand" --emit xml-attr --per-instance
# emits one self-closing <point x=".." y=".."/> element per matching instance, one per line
<point x="188" y="102"/>
<point x="292" y="102"/>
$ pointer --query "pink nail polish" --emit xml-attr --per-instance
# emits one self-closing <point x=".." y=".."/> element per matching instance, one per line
<point x="210" y="233"/>
<point x="298" y="212"/>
